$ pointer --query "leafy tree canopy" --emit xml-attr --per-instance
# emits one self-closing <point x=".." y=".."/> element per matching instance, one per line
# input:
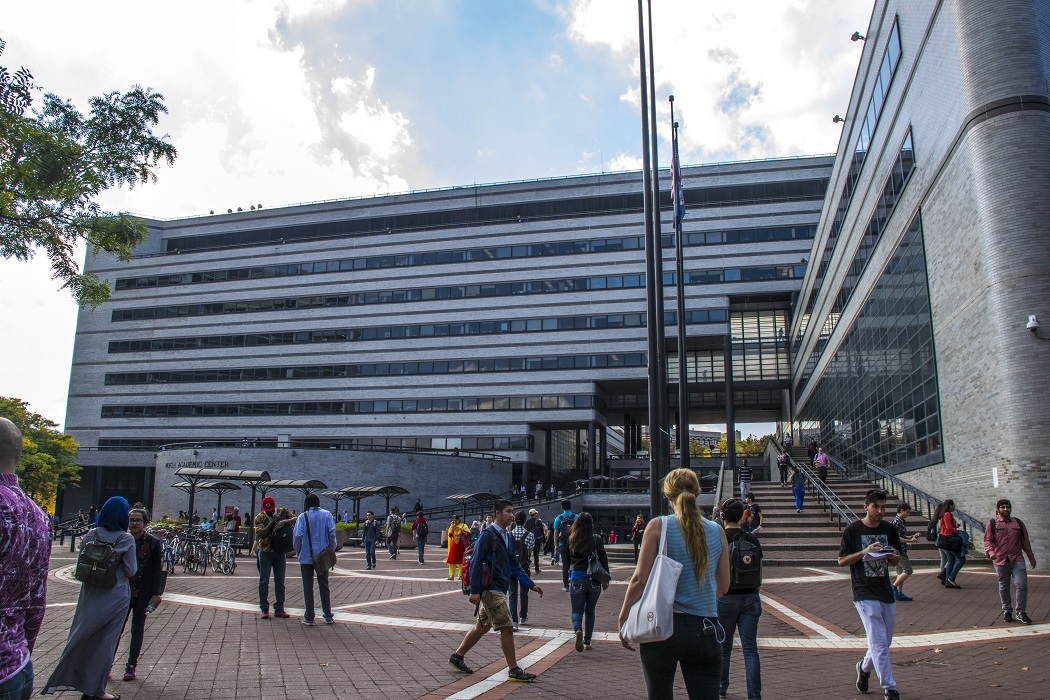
<point x="47" y="455"/>
<point x="55" y="161"/>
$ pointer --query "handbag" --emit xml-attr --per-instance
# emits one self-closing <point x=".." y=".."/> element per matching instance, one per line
<point x="595" y="571"/>
<point x="950" y="542"/>
<point x="651" y="618"/>
<point x="325" y="560"/>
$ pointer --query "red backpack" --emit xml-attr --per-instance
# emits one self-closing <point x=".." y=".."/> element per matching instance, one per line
<point x="486" y="572"/>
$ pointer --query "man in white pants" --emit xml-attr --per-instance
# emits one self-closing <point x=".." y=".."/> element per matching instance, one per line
<point x="870" y="547"/>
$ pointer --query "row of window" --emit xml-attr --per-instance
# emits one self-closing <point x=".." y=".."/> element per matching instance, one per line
<point x="481" y="254"/>
<point x="486" y="443"/>
<point x="887" y="69"/>
<point x="761" y="398"/>
<point x="379" y="369"/>
<point x="631" y="203"/>
<point x="423" y="330"/>
<point x="462" y="291"/>
<point x="319" y="408"/>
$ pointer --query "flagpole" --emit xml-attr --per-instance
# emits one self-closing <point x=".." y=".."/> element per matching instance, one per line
<point x="678" y="210"/>
<point x="652" y="321"/>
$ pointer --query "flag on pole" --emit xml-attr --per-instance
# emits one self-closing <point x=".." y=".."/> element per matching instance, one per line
<point x="677" y="194"/>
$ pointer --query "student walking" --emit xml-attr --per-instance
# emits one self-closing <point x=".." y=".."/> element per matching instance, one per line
<point x="744" y="470"/>
<point x="314" y="528"/>
<point x="420" y="531"/>
<point x="741" y="607"/>
<point x="393" y="532"/>
<point x="458" y="539"/>
<point x="782" y="465"/>
<point x="700" y="546"/>
<point x="371" y="530"/>
<point x="869" y="546"/>
<point x="494" y="550"/>
<point x="1006" y="541"/>
<point x="904" y="570"/>
<point x="539" y="533"/>
<point x="584" y="591"/>
<point x="100" y="613"/>
<point x="753" y="517"/>
<point x="147" y="585"/>
<point x="822" y="460"/>
<point x="274" y="537"/>
<point x="524" y="544"/>
<point x="637" y="530"/>
<point x="798" y="486"/>
<point x="950" y="541"/>
<point x="562" y="527"/>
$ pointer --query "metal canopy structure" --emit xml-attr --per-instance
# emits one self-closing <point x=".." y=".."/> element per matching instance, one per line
<point x="480" y="499"/>
<point x="249" y="477"/>
<point x="336" y="495"/>
<point x="217" y="487"/>
<point x="304" y="486"/>
<point x="357" y="493"/>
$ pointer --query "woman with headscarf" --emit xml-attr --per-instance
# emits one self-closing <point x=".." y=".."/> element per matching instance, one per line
<point x="458" y="538"/>
<point x="99" y="617"/>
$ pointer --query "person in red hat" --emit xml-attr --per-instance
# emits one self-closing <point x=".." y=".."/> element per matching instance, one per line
<point x="273" y="529"/>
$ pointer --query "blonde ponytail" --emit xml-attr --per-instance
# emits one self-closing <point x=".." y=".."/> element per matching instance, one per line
<point x="682" y="488"/>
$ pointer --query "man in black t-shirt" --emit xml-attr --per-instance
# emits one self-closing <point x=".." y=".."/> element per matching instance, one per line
<point x="869" y="547"/>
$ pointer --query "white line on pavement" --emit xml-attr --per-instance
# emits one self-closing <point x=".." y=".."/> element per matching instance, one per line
<point x="801" y="619"/>
<point x="394" y="600"/>
<point x="500" y="677"/>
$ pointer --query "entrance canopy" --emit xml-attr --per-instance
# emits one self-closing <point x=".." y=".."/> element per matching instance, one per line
<point x="356" y="493"/>
<point x="478" y="499"/>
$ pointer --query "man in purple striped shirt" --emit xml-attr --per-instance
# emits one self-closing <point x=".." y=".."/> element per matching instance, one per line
<point x="25" y="548"/>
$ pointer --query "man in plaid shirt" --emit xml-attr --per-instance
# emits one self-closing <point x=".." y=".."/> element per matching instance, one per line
<point x="525" y="543"/>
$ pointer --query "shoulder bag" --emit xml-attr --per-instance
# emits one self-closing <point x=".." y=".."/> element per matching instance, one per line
<point x="325" y="560"/>
<point x="651" y="618"/>
<point x="595" y="571"/>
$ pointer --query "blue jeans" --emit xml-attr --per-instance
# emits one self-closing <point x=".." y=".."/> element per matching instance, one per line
<point x="694" y="646"/>
<point x="954" y="563"/>
<point x="370" y="553"/>
<point x="420" y="544"/>
<point x="18" y="686"/>
<point x="584" y="594"/>
<point x="800" y="498"/>
<point x="741" y="612"/>
<point x="564" y="566"/>
<point x="278" y="564"/>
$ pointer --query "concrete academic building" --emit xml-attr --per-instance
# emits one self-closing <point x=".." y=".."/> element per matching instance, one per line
<point x="477" y="337"/>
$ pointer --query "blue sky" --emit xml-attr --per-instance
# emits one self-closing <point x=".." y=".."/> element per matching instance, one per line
<point x="286" y="102"/>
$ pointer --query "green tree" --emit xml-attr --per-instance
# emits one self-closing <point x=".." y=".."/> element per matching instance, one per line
<point x="55" y="161"/>
<point x="47" y="454"/>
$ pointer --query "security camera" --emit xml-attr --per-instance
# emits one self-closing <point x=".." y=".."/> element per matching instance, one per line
<point x="1033" y="323"/>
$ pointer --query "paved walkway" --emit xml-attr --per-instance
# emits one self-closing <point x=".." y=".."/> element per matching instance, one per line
<point x="396" y="626"/>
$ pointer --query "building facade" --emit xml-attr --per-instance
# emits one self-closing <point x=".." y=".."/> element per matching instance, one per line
<point x="910" y="349"/>
<point x="499" y="323"/>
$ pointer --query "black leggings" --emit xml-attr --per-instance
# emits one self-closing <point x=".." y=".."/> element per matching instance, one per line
<point x="137" y="611"/>
<point x="695" y="646"/>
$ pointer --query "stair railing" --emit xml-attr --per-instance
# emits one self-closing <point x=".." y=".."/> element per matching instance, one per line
<point x="917" y="498"/>
<point x="829" y="502"/>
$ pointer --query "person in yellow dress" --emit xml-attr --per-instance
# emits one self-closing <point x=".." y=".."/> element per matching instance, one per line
<point x="458" y="534"/>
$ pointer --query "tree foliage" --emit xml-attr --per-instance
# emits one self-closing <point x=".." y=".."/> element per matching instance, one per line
<point x="55" y="161"/>
<point x="47" y="454"/>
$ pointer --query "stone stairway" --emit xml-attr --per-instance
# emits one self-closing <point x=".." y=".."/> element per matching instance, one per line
<point x="812" y="537"/>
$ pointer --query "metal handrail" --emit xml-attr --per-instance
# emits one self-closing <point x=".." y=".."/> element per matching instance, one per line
<point x="891" y="483"/>
<point x="721" y="476"/>
<point x="838" y="507"/>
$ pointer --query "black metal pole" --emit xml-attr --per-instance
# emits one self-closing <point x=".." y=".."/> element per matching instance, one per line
<point x="652" y="284"/>
<point x="658" y="246"/>
<point x="683" y="384"/>
<point x="730" y="406"/>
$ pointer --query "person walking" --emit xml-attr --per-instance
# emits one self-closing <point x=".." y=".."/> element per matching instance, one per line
<point x="100" y="613"/>
<point x="782" y="465"/>
<point x="753" y="518"/>
<point x="420" y="532"/>
<point x="583" y="591"/>
<point x="524" y="544"/>
<point x="494" y="550"/>
<point x="25" y="550"/>
<point x="539" y="532"/>
<point x="904" y="570"/>
<point x="147" y="585"/>
<point x="741" y="607"/>
<point x="274" y="534"/>
<point x="700" y="546"/>
<point x="950" y="541"/>
<point x="822" y="460"/>
<point x="637" y="530"/>
<point x="811" y="451"/>
<point x="371" y="529"/>
<point x="1006" y="541"/>
<point x="869" y="547"/>
<point x="393" y="532"/>
<point x="798" y="486"/>
<point x="562" y="527"/>
<point x="316" y="529"/>
<point x="745" y="479"/>
<point x="458" y="539"/>
<point x="538" y="493"/>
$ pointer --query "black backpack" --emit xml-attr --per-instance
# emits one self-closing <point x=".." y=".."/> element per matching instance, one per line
<point x="521" y="549"/>
<point x="423" y="530"/>
<point x="931" y="530"/>
<point x="745" y="562"/>
<point x="564" y="527"/>
<point x="97" y="564"/>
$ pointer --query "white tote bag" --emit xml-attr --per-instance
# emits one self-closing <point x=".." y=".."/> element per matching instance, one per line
<point x="651" y="619"/>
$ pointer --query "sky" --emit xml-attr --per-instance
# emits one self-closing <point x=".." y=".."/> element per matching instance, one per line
<point x="279" y="103"/>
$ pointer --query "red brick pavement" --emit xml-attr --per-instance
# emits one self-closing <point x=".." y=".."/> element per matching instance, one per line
<point x="197" y="651"/>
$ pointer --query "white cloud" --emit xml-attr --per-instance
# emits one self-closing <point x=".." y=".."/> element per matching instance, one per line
<point x="624" y="161"/>
<point x="750" y="79"/>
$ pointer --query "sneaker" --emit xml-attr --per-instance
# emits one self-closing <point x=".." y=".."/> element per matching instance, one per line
<point x="519" y="676"/>
<point x="798" y="510"/>
<point x="129" y="673"/>
<point x="1023" y="617"/>
<point x="897" y="595"/>
<point x="723" y="693"/>
<point x="901" y="596"/>
<point x="421" y="563"/>
<point x="538" y="570"/>
<point x="393" y="556"/>
<point x="308" y="623"/>
<point x="281" y="614"/>
<point x="457" y="662"/>
<point x="1008" y="616"/>
<point x="579" y="640"/>
<point x="525" y="620"/>
<point x="515" y="626"/>
<point x="862" y="678"/>
<point x="892" y="694"/>
<point x="329" y="620"/>
<point x="565" y="588"/>
<point x="265" y="616"/>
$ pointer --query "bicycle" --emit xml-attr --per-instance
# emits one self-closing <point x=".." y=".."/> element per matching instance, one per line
<point x="223" y="558"/>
